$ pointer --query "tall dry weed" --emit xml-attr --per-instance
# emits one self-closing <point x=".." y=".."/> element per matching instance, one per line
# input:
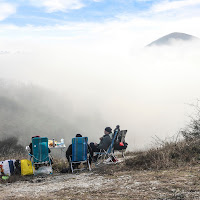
<point x="169" y="155"/>
<point x="10" y="149"/>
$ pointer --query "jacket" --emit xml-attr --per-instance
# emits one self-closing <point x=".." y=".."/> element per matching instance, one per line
<point x="105" y="142"/>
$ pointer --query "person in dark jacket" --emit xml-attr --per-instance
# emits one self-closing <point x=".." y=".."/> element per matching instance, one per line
<point x="69" y="151"/>
<point x="105" y="142"/>
<point x="31" y="150"/>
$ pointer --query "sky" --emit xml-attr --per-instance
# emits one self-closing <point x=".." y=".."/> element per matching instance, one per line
<point x="78" y="18"/>
<point x="93" y="52"/>
<point x="52" y="12"/>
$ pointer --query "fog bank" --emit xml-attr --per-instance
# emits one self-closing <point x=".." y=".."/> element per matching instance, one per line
<point x="94" y="85"/>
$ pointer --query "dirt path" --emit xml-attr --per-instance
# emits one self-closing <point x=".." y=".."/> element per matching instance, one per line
<point x="109" y="182"/>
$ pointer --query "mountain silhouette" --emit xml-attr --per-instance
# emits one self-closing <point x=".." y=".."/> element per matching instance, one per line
<point x="166" y="40"/>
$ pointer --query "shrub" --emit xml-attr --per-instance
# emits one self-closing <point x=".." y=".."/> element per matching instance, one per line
<point x="10" y="147"/>
<point x="171" y="154"/>
<point x="192" y="131"/>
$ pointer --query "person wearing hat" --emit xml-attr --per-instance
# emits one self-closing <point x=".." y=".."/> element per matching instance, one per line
<point x="69" y="149"/>
<point x="105" y="142"/>
<point x="69" y="153"/>
<point x="31" y="150"/>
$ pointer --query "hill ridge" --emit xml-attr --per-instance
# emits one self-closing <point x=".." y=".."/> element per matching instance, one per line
<point x="165" y="40"/>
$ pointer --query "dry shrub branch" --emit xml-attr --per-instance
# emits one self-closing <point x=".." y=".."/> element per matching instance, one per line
<point x="9" y="148"/>
<point x="175" y="153"/>
<point x="169" y="155"/>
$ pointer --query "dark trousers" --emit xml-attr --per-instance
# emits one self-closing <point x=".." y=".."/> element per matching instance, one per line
<point x="69" y="153"/>
<point x="94" y="148"/>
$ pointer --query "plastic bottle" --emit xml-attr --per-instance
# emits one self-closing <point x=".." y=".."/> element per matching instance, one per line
<point x="53" y="142"/>
<point x="62" y="142"/>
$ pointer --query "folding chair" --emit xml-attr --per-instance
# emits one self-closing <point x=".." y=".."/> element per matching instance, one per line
<point x="79" y="153"/>
<point x="40" y="152"/>
<point x="107" y="156"/>
<point x="120" y="144"/>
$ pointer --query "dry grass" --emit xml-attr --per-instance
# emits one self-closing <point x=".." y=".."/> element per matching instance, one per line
<point x="182" y="183"/>
<point x="169" y="155"/>
<point x="10" y="149"/>
<point x="59" y="164"/>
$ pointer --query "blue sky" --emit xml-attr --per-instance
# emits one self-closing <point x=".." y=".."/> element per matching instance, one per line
<point x="137" y="22"/>
<point x="84" y="17"/>
<point x="51" y="12"/>
<point x="37" y="13"/>
<point x="117" y="19"/>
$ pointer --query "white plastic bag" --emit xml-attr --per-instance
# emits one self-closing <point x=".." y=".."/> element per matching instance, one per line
<point x="43" y="170"/>
<point x="6" y="167"/>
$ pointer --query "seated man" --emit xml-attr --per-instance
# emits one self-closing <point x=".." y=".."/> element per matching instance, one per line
<point x="69" y="152"/>
<point x="31" y="150"/>
<point x="30" y="145"/>
<point x="105" y="142"/>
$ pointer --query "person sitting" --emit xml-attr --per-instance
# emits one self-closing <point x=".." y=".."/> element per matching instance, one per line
<point x="69" y="153"/>
<point x="105" y="142"/>
<point x="31" y="150"/>
<point x="30" y="145"/>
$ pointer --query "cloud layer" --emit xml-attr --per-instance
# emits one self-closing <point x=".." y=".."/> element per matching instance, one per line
<point x="58" y="5"/>
<point x="6" y="9"/>
<point x="145" y="91"/>
<point x="172" y="5"/>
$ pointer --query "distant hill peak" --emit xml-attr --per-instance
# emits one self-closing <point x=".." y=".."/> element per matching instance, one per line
<point x="165" y="40"/>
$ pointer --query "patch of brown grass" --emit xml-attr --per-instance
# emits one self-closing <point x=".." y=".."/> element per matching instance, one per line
<point x="169" y="155"/>
<point x="59" y="164"/>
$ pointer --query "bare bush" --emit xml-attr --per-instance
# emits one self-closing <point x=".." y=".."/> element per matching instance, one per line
<point x="170" y="154"/>
<point x="192" y="131"/>
<point x="9" y="147"/>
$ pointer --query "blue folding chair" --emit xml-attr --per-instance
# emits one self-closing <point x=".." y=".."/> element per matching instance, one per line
<point x="79" y="152"/>
<point x="40" y="151"/>
<point x="109" y="153"/>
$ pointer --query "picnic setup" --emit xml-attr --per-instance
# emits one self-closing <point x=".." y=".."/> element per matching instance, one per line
<point x="80" y="154"/>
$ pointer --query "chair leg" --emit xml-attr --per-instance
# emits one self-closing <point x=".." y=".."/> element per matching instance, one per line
<point x="33" y="167"/>
<point x="70" y="161"/>
<point x="100" y="159"/>
<point x="71" y="167"/>
<point x="89" y="165"/>
<point x="123" y="153"/>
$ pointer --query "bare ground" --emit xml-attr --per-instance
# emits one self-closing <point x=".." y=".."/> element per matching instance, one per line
<point x="109" y="182"/>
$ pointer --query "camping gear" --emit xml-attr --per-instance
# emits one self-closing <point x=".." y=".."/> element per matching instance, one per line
<point x="104" y="155"/>
<point x="120" y="144"/>
<point x="58" y="145"/>
<point x="1" y="167"/>
<point x="8" y="167"/>
<point x="111" y="160"/>
<point x="5" y="177"/>
<point x="62" y="142"/>
<point x="79" y="152"/>
<point x="26" y="167"/>
<point x="53" y="142"/>
<point x="17" y="167"/>
<point x="43" y="170"/>
<point x="40" y="152"/>
<point x="11" y="166"/>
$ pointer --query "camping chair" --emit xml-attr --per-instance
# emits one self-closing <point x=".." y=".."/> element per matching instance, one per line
<point x="79" y="153"/>
<point x="40" y="151"/>
<point x="120" y="144"/>
<point x="107" y="156"/>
